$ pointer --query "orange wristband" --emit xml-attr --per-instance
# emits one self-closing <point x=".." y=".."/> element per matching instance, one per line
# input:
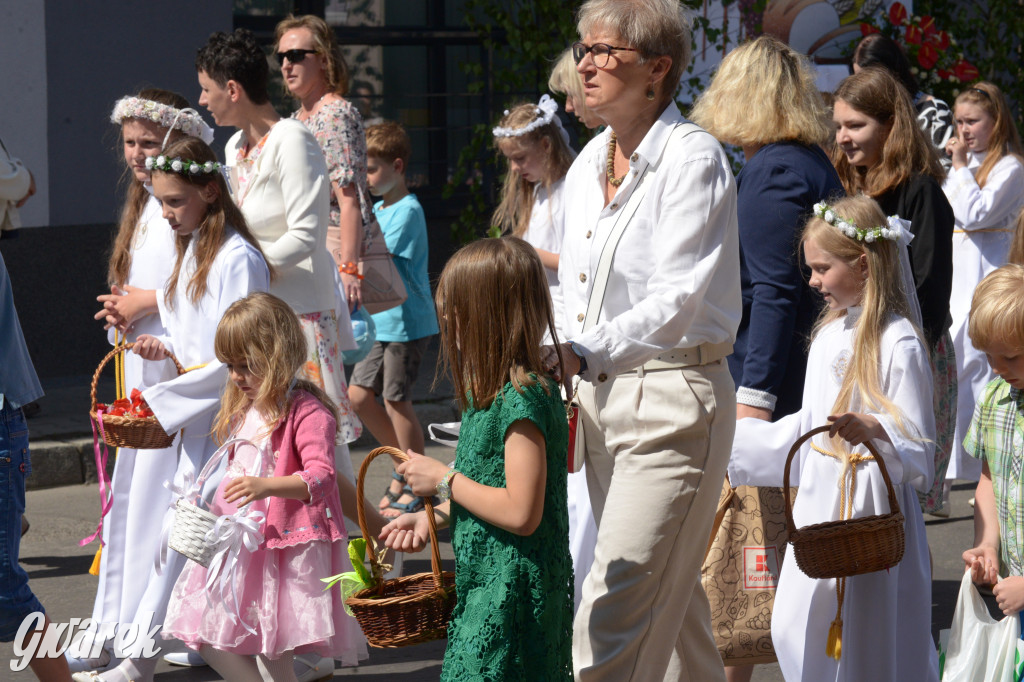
<point x="350" y="268"/>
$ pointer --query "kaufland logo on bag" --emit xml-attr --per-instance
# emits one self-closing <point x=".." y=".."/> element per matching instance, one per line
<point x="760" y="568"/>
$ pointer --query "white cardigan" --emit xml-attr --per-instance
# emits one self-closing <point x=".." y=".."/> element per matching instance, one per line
<point x="287" y="204"/>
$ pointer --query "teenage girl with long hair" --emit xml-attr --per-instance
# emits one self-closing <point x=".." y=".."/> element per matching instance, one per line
<point x="140" y="263"/>
<point x="986" y="190"/>
<point x="869" y="376"/>
<point x="881" y="151"/>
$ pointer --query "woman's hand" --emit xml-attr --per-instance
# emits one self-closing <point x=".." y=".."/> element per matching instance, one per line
<point x="353" y="291"/>
<point x="983" y="562"/>
<point x="150" y="348"/>
<point x="422" y="474"/>
<point x="562" y="371"/>
<point x="247" y="488"/>
<point x="407" y="533"/>
<point x="856" y="428"/>
<point x="957" y="150"/>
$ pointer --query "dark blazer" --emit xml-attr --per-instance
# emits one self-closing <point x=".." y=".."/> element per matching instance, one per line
<point x="776" y="192"/>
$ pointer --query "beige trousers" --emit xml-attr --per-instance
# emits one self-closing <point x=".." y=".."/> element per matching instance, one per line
<point x="657" y="451"/>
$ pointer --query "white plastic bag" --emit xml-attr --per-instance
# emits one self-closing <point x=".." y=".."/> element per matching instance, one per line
<point x="979" y="647"/>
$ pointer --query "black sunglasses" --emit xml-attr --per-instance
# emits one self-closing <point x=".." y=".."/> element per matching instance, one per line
<point x="294" y="56"/>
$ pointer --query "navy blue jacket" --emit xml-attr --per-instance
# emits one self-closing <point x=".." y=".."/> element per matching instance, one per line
<point x="776" y="192"/>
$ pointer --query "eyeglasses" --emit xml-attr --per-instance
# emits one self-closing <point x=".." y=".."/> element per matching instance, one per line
<point x="599" y="51"/>
<point x="294" y="56"/>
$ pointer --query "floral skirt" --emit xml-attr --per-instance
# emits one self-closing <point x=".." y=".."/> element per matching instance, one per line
<point x="325" y="369"/>
<point x="944" y="406"/>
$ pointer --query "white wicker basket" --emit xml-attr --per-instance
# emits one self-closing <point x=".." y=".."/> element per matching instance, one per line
<point x="192" y="522"/>
<point x="188" y="534"/>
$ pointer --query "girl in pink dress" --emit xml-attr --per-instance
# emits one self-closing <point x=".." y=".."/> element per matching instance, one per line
<point x="270" y="603"/>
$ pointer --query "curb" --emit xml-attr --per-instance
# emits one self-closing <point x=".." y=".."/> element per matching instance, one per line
<point x="71" y="460"/>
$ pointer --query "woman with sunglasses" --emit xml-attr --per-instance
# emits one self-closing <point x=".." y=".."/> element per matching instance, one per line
<point x="649" y="344"/>
<point x="315" y="73"/>
<point x="280" y="182"/>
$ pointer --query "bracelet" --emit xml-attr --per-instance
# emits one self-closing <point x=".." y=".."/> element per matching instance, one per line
<point x="350" y="268"/>
<point x="444" y="486"/>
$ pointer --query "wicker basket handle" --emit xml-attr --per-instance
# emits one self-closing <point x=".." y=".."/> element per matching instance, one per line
<point x="894" y="505"/>
<point x="123" y="348"/>
<point x="435" y="552"/>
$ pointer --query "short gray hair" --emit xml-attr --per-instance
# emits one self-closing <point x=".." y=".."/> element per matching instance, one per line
<point x="656" y="28"/>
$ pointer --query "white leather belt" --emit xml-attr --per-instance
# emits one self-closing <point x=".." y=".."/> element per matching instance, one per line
<point x="704" y="354"/>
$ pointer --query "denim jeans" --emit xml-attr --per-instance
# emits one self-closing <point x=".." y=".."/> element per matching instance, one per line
<point x="16" y="599"/>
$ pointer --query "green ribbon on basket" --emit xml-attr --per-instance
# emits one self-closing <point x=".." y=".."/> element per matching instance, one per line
<point x="359" y="578"/>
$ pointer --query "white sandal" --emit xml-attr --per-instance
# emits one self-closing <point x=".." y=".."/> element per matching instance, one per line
<point x="312" y="668"/>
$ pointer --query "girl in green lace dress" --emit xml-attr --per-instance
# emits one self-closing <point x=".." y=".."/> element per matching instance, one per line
<point x="507" y="485"/>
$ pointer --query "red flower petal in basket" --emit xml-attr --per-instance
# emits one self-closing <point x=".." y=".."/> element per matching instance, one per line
<point x="966" y="71"/>
<point x="868" y="29"/>
<point x="897" y="13"/>
<point x="928" y="25"/>
<point x="927" y="56"/>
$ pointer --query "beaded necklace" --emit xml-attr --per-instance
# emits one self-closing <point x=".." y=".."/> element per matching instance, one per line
<point x="610" y="166"/>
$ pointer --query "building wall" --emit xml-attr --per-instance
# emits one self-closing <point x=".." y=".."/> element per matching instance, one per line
<point x="65" y="64"/>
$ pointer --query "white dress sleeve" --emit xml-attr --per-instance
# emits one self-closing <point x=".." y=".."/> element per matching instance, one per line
<point x="760" y="449"/>
<point x="910" y="456"/>
<point x="989" y="206"/>
<point x="190" y="396"/>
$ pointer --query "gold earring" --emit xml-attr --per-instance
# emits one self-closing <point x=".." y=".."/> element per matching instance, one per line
<point x="650" y="92"/>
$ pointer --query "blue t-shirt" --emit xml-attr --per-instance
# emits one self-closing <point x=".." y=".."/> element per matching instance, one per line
<point x="405" y="232"/>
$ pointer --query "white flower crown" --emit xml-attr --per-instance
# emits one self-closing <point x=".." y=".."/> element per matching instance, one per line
<point x="546" y="109"/>
<point x="892" y="230"/>
<point x="187" y="121"/>
<point x="180" y="166"/>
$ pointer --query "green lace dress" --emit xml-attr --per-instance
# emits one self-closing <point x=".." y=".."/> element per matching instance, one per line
<point x="513" y="620"/>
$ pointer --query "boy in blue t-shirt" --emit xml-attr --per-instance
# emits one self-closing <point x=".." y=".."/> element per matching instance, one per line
<point x="996" y="437"/>
<point x="403" y="332"/>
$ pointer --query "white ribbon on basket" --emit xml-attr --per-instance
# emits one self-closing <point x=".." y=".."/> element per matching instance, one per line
<point x="230" y="535"/>
<point x="189" y="491"/>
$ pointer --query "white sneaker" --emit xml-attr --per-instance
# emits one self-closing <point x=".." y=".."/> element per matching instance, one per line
<point x="310" y="668"/>
<point x="186" y="659"/>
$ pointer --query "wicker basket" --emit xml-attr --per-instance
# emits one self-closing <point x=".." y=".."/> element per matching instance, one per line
<point x="141" y="433"/>
<point x="188" y="533"/>
<point x="839" y="549"/>
<point x="407" y="610"/>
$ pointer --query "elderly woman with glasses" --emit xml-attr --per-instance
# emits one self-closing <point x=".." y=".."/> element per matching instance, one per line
<point x="315" y="74"/>
<point x="650" y="279"/>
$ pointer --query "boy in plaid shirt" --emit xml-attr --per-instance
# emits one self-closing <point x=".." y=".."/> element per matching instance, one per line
<point x="996" y="437"/>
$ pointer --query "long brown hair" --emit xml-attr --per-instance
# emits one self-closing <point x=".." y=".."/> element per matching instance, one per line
<point x="221" y="216"/>
<point x="513" y="213"/>
<point x="263" y="332"/>
<point x="493" y="310"/>
<point x="883" y="299"/>
<point x="120" y="264"/>
<point x="1005" y="139"/>
<point x="906" y="150"/>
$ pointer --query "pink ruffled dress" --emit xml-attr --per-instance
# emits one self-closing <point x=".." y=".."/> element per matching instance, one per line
<point x="278" y="591"/>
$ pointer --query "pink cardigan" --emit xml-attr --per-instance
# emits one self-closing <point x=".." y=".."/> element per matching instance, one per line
<point x="303" y="444"/>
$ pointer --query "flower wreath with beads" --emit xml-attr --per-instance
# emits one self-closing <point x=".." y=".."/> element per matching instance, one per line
<point x="181" y="166"/>
<point x="187" y="121"/>
<point x="546" y="110"/>
<point x="892" y="230"/>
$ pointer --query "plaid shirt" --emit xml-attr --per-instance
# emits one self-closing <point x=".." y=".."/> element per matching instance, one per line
<point x="996" y="436"/>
